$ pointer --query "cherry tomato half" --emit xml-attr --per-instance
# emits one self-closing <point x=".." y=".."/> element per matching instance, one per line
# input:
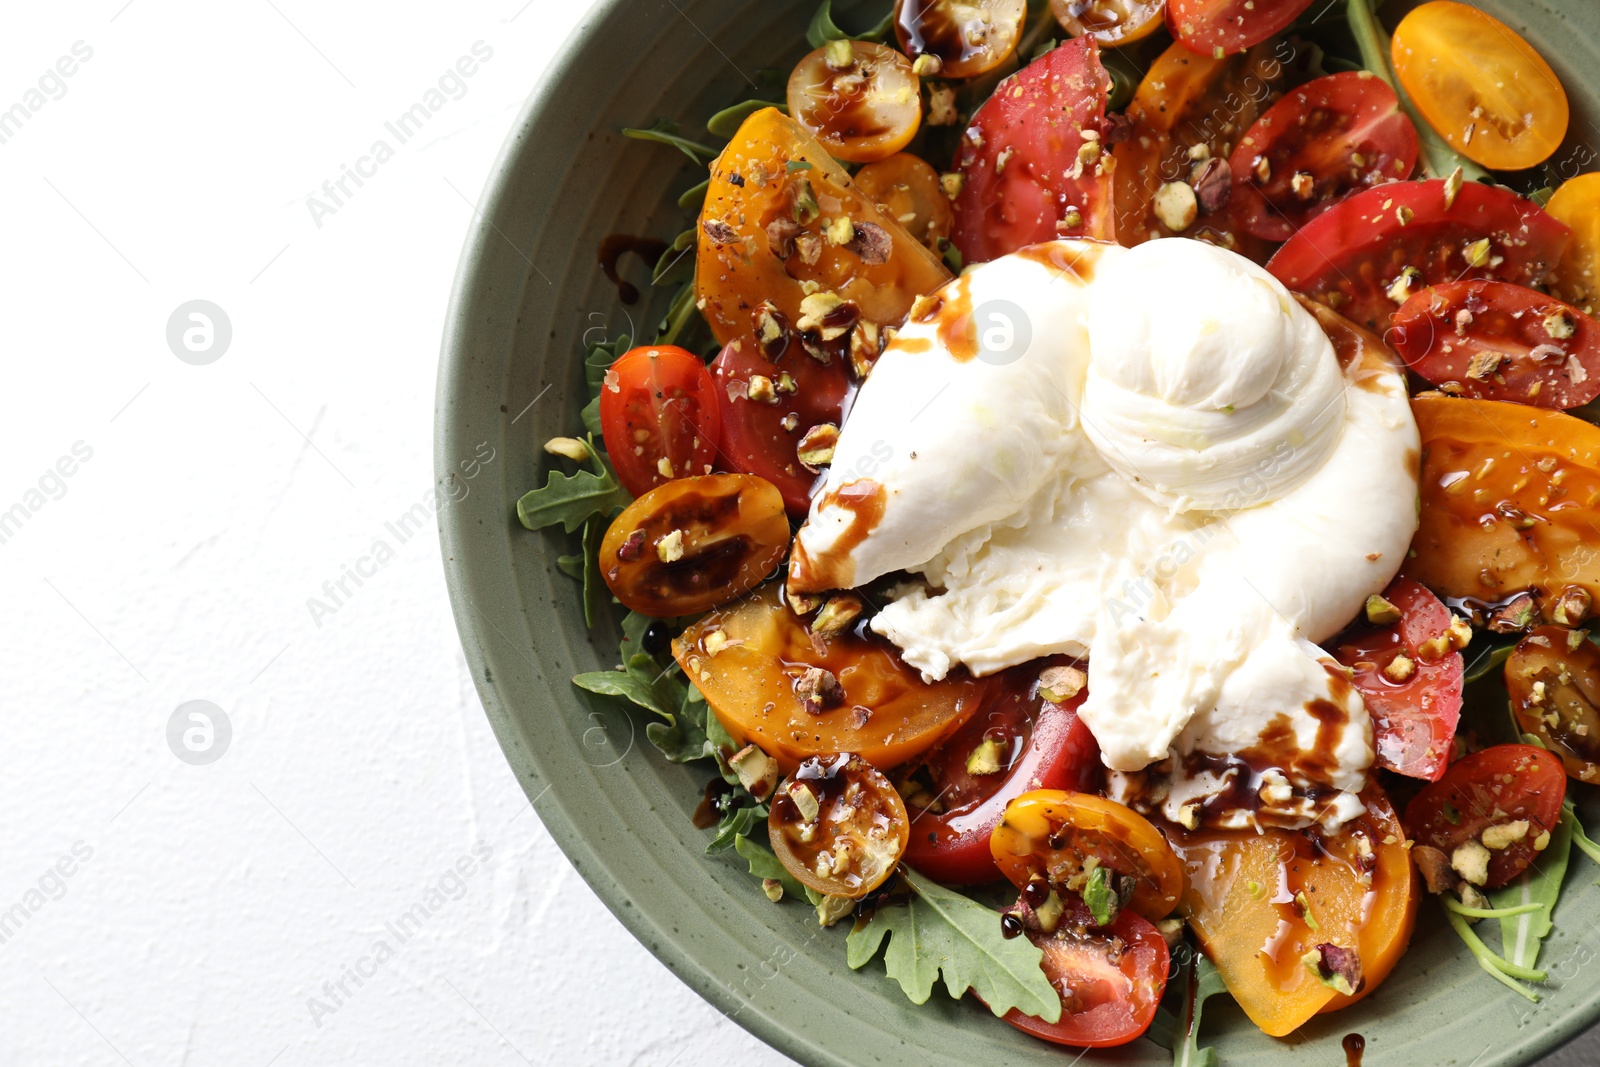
<point x="1480" y="85"/>
<point x="838" y="825"/>
<point x="1111" y="22"/>
<point x="906" y="188"/>
<point x="659" y="416"/>
<point x="1492" y="789"/>
<point x="1366" y="255"/>
<point x="968" y="37"/>
<point x="1576" y="278"/>
<point x="1415" y="703"/>
<point x="1223" y="27"/>
<point x="694" y="543"/>
<point x="1111" y="979"/>
<point x="1553" y="676"/>
<point x="1331" y="137"/>
<point x="1498" y="341"/>
<point x="751" y="660"/>
<point x="861" y="110"/>
<point x="1031" y="163"/>
<point x="1017" y="742"/>
<point x="1052" y="833"/>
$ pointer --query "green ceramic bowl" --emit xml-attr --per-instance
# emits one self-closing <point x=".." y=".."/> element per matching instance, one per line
<point x="528" y="290"/>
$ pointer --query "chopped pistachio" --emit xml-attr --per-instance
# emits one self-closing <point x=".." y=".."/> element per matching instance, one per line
<point x="809" y="245"/>
<point x="1176" y="206"/>
<point x="1572" y="607"/>
<point x="1400" y="668"/>
<point x="1559" y="324"/>
<point x="760" y="390"/>
<point x="841" y="230"/>
<point x="1337" y="968"/>
<point x="952" y="184"/>
<point x="816" y="307"/>
<point x="831" y="909"/>
<point x="1171" y="930"/>
<point x="1089" y="153"/>
<point x="985" y="759"/>
<point x="790" y="422"/>
<point x="866" y="342"/>
<point x="1477" y="253"/>
<point x="1060" y="684"/>
<point x="630" y="548"/>
<point x="772" y="331"/>
<point x="1404" y="215"/>
<point x="805" y="801"/>
<point x="757" y="771"/>
<point x="839" y="54"/>
<point x="927" y="65"/>
<point x="1435" y="647"/>
<point x="1452" y="186"/>
<point x="1303" y="185"/>
<point x="570" y="447"/>
<point x="772" y="888"/>
<point x="1400" y="289"/>
<point x="1541" y="842"/>
<point x="1518" y="614"/>
<point x="669" y="549"/>
<point x="816" y="446"/>
<point x="715" y="642"/>
<point x="1471" y="861"/>
<point x="805" y="204"/>
<point x="1504" y="835"/>
<point x="1263" y="169"/>
<point x="836" y="615"/>
<point x="664" y="468"/>
<point x="785" y="385"/>
<point x="1482" y="365"/>
<point x="1460" y="632"/>
<point x="1189" y="816"/>
<point x="819" y="690"/>
<point x="1380" y="612"/>
<point x="1200" y="151"/>
<point x="941" y="106"/>
<point x="1303" y="904"/>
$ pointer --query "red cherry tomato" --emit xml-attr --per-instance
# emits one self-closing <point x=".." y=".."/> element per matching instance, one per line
<point x="1414" y="708"/>
<point x="1352" y="256"/>
<point x="1029" y="171"/>
<point x="759" y="436"/>
<point x="1497" y="787"/>
<point x="1040" y="746"/>
<point x="1323" y="141"/>
<point x="1111" y="979"/>
<point x="1499" y="341"/>
<point x="1210" y="27"/>
<point x="659" y="417"/>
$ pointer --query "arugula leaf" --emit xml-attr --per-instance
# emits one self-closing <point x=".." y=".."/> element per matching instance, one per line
<point x="641" y="681"/>
<point x="1521" y="935"/>
<point x="695" y="195"/>
<point x="763" y="864"/>
<point x="737" y="821"/>
<point x="1177" y="1022"/>
<point x="571" y="566"/>
<point x="678" y="315"/>
<point x="726" y="122"/>
<point x="1579" y="838"/>
<point x="676" y="264"/>
<point x="823" y="29"/>
<point x="591" y="416"/>
<point x="598" y="360"/>
<point x="595" y="593"/>
<point x="1100" y="897"/>
<point x="684" y="740"/>
<point x="665" y="131"/>
<point x="939" y="931"/>
<point x="1438" y="158"/>
<point x="1488" y="659"/>
<point x="571" y="499"/>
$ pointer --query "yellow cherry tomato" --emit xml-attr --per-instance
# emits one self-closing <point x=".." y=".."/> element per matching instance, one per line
<point x="1111" y="22"/>
<point x="1577" y="277"/>
<point x="1480" y="85"/>
<point x="861" y="100"/>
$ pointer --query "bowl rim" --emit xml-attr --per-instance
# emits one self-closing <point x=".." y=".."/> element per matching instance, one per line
<point x="483" y="655"/>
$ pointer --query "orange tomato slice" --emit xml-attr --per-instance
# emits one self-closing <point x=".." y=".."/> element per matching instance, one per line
<point x="1576" y="278"/>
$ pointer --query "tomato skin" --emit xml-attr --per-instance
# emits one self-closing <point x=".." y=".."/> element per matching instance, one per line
<point x="731" y="532"/>
<point x="1203" y="26"/>
<point x="1173" y="113"/>
<point x="1561" y="712"/>
<point x="754" y="437"/>
<point x="1023" y="179"/>
<point x="867" y="111"/>
<point x="1057" y="751"/>
<point x="1509" y="322"/>
<point x="1504" y="491"/>
<point x="1413" y="721"/>
<point x="1576" y="278"/>
<point x="857" y="807"/>
<point x="658" y="402"/>
<point x="1480" y="85"/>
<point x="1349" y="255"/>
<point x="1049" y="831"/>
<point x="1319" y="130"/>
<point x="1107" y="1001"/>
<point x="750" y="681"/>
<point x="1498" y="785"/>
<point x="904" y="184"/>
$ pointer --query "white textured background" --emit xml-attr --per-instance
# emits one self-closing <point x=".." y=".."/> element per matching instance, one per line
<point x="177" y="561"/>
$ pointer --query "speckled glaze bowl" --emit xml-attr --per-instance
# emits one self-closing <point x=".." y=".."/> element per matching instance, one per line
<point x="528" y="290"/>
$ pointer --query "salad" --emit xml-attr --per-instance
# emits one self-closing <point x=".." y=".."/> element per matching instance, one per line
<point x="1111" y="500"/>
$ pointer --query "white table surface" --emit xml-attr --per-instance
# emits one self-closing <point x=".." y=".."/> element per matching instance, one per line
<point x="230" y="912"/>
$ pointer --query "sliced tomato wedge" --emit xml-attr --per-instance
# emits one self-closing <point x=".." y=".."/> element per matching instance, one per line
<point x="1223" y="27"/>
<point x="1331" y="137"/>
<point x="1409" y="675"/>
<point x="659" y="415"/>
<point x="1017" y="742"/>
<point x="1492" y="790"/>
<point x="1353" y="256"/>
<point x="1031" y="163"/>
<point x="1494" y="340"/>
<point x="1111" y="979"/>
